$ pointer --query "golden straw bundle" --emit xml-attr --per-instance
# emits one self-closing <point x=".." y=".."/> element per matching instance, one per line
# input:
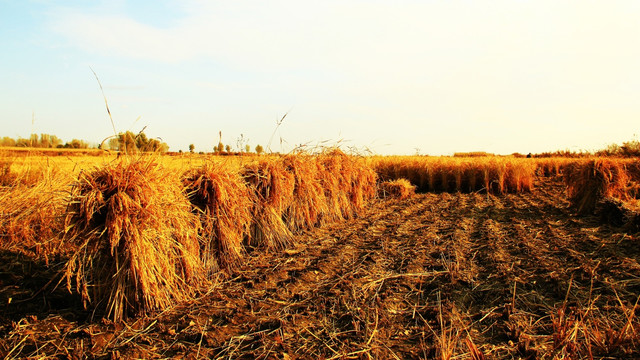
<point x="309" y="203"/>
<point x="137" y="239"/>
<point x="593" y="180"/>
<point x="272" y="187"/>
<point x="222" y="200"/>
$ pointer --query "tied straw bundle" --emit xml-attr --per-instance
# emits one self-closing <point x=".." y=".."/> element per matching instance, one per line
<point x="136" y="238"/>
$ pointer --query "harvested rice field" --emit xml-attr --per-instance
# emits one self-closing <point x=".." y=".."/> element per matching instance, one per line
<point x="514" y="273"/>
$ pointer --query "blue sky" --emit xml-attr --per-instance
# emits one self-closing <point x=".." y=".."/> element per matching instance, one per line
<point x="391" y="76"/>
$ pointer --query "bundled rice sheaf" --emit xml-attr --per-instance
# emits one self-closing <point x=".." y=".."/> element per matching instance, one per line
<point x="590" y="181"/>
<point x="363" y="185"/>
<point x="519" y="176"/>
<point x="297" y="192"/>
<point x="336" y="172"/>
<point x="272" y="188"/>
<point x="400" y="188"/>
<point x="222" y="200"/>
<point x="309" y="206"/>
<point x="137" y="240"/>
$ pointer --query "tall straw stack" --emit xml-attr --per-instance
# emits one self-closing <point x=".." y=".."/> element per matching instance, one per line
<point x="297" y="192"/>
<point x="593" y="180"/>
<point x="335" y="177"/>
<point x="272" y="187"/>
<point x="137" y="239"/>
<point x="363" y="184"/>
<point x="309" y="205"/>
<point x="222" y="200"/>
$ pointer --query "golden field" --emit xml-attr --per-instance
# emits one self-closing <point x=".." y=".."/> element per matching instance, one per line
<point x="318" y="256"/>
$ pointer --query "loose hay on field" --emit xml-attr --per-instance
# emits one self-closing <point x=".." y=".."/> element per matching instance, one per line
<point x="137" y="239"/>
<point x="222" y="200"/>
<point x="400" y="188"/>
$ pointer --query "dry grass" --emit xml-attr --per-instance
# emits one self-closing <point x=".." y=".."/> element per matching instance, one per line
<point x="136" y="236"/>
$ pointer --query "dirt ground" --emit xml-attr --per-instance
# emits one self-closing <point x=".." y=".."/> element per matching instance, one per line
<point x="464" y="276"/>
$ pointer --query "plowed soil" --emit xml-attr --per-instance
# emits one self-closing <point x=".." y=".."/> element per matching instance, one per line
<point x="434" y="276"/>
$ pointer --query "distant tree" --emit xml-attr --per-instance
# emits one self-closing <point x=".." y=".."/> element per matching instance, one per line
<point x="127" y="142"/>
<point x="49" y="141"/>
<point x="77" y="144"/>
<point x="259" y="149"/>
<point x="219" y="148"/>
<point x="7" y="141"/>
<point x="23" y="142"/>
<point x="228" y="148"/>
<point x="114" y="144"/>
<point x="191" y="148"/>
<point x="132" y="143"/>
<point x="155" y="145"/>
<point x="141" y="141"/>
<point x="42" y="141"/>
<point x="33" y="140"/>
<point x="247" y="148"/>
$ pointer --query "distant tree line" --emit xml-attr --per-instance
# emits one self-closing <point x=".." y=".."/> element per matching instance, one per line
<point x="627" y="149"/>
<point x="127" y="141"/>
<point x="131" y="143"/>
<point x="45" y="141"/>
<point x="221" y="148"/>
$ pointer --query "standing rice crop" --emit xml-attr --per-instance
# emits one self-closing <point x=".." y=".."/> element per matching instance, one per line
<point x="222" y="200"/>
<point x="136" y="239"/>
<point x="493" y="174"/>
<point x="30" y="217"/>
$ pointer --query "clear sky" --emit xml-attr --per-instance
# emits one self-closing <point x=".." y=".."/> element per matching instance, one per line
<point x="395" y="77"/>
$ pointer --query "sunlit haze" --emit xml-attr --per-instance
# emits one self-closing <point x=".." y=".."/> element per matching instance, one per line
<point x="394" y="77"/>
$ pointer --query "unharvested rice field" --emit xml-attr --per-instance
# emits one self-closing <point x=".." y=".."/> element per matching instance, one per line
<point x="311" y="257"/>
